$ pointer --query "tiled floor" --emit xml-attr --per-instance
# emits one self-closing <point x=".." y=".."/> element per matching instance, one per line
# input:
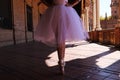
<point x="36" y="61"/>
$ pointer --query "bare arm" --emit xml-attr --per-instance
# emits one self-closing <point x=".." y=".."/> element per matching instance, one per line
<point x="75" y="3"/>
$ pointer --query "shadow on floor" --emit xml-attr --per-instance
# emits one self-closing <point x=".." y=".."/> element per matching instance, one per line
<point x="27" y="62"/>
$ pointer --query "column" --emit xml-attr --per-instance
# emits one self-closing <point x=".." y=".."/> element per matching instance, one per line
<point x="85" y="14"/>
<point x="82" y="10"/>
<point x="94" y="15"/>
<point x="118" y="20"/>
<point x="98" y="27"/>
<point x="87" y="18"/>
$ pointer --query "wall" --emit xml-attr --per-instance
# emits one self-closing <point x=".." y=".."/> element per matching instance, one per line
<point x="18" y="10"/>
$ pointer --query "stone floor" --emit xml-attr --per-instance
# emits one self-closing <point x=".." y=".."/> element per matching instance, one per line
<point x="36" y="61"/>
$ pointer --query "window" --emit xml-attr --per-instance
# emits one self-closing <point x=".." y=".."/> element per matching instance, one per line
<point x="29" y="18"/>
<point x="5" y="15"/>
<point x="115" y="11"/>
<point x="76" y="7"/>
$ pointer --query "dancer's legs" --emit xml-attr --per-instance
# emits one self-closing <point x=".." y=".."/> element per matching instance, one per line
<point x="60" y="38"/>
<point x="61" y="51"/>
<point x="61" y="54"/>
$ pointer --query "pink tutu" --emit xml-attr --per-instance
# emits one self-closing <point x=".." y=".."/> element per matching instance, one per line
<point x="60" y="23"/>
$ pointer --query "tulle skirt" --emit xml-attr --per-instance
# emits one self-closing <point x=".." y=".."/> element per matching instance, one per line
<point x="58" y="24"/>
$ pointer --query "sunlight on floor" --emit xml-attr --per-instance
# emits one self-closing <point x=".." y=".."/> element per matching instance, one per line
<point x="53" y="61"/>
<point x="108" y="60"/>
<point x="83" y="51"/>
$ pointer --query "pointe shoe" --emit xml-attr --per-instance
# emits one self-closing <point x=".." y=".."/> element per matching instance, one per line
<point x="61" y="66"/>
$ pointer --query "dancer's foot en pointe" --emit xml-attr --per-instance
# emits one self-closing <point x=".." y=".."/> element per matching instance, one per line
<point x="62" y="67"/>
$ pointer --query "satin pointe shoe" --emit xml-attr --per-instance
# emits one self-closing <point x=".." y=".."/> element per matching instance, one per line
<point x="62" y="67"/>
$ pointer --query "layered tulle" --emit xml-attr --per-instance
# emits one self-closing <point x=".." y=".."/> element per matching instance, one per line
<point x="58" y="24"/>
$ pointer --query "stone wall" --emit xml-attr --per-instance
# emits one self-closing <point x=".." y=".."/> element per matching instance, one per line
<point x="19" y="20"/>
